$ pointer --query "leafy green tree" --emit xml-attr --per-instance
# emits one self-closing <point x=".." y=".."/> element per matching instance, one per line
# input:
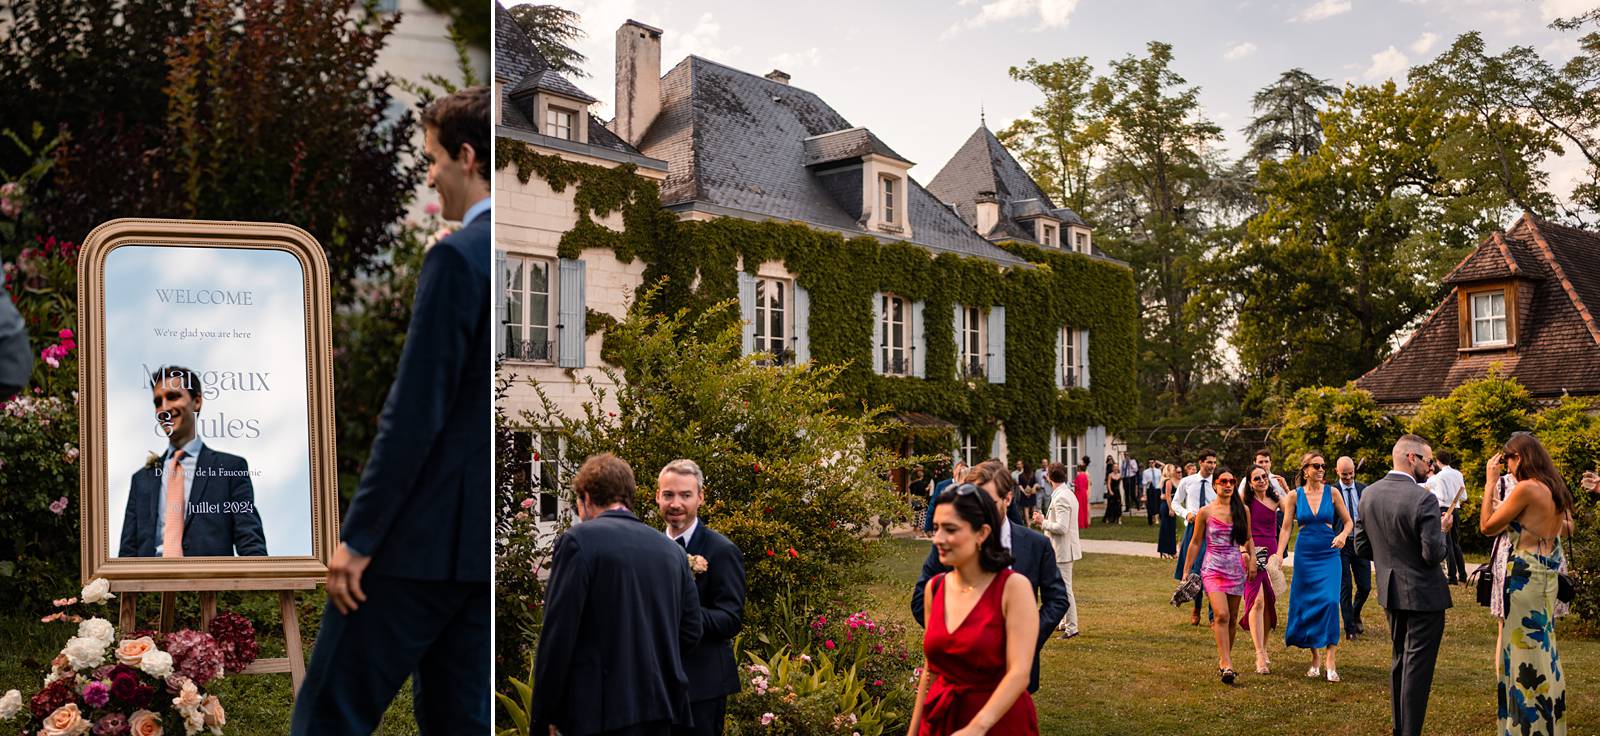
<point x="553" y="29"/>
<point x="1057" y="141"/>
<point x="1286" y="116"/>
<point x="1337" y="422"/>
<point x="469" y="19"/>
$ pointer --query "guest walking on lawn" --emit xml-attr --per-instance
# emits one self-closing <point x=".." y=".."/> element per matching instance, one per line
<point x="1260" y="600"/>
<point x="1080" y="486"/>
<point x="1314" y="590"/>
<point x="1167" y="535"/>
<point x="1192" y="494"/>
<point x="1534" y="516"/>
<point x="1113" y="492"/>
<point x="1062" y="526"/>
<point x="1229" y="559"/>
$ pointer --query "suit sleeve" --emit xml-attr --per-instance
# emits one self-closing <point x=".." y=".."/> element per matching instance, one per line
<point x="1363" y="545"/>
<point x="130" y="522"/>
<point x="249" y="538"/>
<point x="930" y="568"/>
<point x="438" y="347"/>
<point x="564" y="601"/>
<point x="1052" y="593"/>
<point x="1429" y="531"/>
<point x="723" y="616"/>
<point x="691" y="623"/>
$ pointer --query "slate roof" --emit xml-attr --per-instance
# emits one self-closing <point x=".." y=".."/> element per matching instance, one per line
<point x="982" y="164"/>
<point x="519" y="66"/>
<point x="549" y="81"/>
<point x="847" y="144"/>
<point x="737" y="140"/>
<point x="1558" y="340"/>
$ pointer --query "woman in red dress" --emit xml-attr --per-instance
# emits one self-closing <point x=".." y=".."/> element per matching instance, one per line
<point x="982" y="625"/>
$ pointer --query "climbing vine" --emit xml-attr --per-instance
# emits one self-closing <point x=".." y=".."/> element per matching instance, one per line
<point x="700" y="260"/>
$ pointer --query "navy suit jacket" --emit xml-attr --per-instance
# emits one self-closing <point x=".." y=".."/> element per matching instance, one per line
<point x="710" y="666"/>
<point x="620" y="610"/>
<point x="422" y="509"/>
<point x="1349" y="550"/>
<point x="1032" y="556"/>
<point x="219" y="478"/>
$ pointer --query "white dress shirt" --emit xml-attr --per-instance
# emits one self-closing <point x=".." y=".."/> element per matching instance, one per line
<point x="1448" y="486"/>
<point x="687" y="534"/>
<point x="1193" y="493"/>
<point x="1152" y="477"/>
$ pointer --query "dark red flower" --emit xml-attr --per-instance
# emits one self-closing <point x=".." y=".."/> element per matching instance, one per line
<point x="758" y="467"/>
<point x="770" y="553"/>
<point x="124" y="685"/>
<point x="793" y="554"/>
<point x="54" y="696"/>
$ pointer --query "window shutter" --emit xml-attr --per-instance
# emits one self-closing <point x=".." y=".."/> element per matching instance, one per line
<point x="1055" y="445"/>
<point x="918" y="343"/>
<point x="994" y="444"/>
<point x="498" y="333"/>
<point x="877" y="331"/>
<point x="572" y="313"/>
<point x="1083" y="358"/>
<point x="747" y="313"/>
<point x="802" y="324"/>
<point x="1061" y="359"/>
<point x="1095" y="450"/>
<point x="997" y="345"/>
<point x="955" y="329"/>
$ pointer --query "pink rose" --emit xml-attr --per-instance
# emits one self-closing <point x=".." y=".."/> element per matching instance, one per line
<point x="144" y="723"/>
<point x="58" y="506"/>
<point x="527" y="503"/>
<point x="65" y="721"/>
<point x="131" y="651"/>
<point x="211" y="708"/>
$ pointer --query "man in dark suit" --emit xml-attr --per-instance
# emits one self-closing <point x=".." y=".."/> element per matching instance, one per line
<point x="1356" y="584"/>
<point x="1400" y="528"/>
<point x="191" y="501"/>
<point x="713" y="673"/>
<point x="1032" y="555"/>
<point x="408" y="588"/>
<point x="621" y="613"/>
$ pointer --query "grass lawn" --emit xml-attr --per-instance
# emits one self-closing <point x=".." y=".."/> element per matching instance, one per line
<point x="257" y="705"/>
<point x="1132" y="529"/>
<point x="1140" y="668"/>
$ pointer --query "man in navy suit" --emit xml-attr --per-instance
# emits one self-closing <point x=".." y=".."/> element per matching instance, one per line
<point x="1032" y="556"/>
<point x="408" y="588"/>
<point x="1356" y="582"/>
<point x="207" y="494"/>
<point x="713" y="673"/>
<point x="621" y="613"/>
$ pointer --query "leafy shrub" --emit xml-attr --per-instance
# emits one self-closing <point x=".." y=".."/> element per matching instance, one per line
<point x="808" y="693"/>
<point x="1337" y="422"/>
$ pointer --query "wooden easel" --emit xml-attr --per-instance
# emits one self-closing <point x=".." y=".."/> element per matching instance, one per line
<point x="295" y="664"/>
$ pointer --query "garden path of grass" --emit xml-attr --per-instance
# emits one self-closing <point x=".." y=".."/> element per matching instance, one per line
<point x="1140" y="668"/>
<point x="257" y="705"/>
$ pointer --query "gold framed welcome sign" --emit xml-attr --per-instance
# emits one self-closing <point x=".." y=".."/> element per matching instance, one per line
<point x="205" y="403"/>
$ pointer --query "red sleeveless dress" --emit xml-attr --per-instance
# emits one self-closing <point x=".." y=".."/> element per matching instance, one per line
<point x="966" y="665"/>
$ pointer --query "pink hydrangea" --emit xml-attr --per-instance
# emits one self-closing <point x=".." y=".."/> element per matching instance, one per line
<point x="195" y="655"/>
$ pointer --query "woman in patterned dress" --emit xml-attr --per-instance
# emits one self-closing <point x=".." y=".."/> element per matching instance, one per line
<point x="1535" y="515"/>
<point x="1229" y="559"/>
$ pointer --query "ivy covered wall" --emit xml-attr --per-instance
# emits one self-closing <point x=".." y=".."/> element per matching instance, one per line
<point x="700" y="262"/>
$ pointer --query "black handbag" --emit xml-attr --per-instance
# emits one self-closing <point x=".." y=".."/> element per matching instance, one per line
<point x="1565" y="590"/>
<point x="1483" y="583"/>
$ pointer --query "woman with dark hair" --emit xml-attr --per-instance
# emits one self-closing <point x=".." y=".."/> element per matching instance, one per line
<point x="1229" y="548"/>
<point x="1113" y="492"/>
<point x="982" y="623"/>
<point x="1318" y="560"/>
<point x="1080" y="488"/>
<point x="1534" y="515"/>
<point x="1260" y="600"/>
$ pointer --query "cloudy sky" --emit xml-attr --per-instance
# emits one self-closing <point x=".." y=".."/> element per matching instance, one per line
<point x="917" y="73"/>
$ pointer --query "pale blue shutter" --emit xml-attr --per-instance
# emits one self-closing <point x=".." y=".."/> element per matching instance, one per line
<point x="1061" y="359"/>
<point x="918" y="343"/>
<point x="1055" y="446"/>
<point x="955" y="329"/>
<point x="1083" y="359"/>
<point x="498" y="334"/>
<point x="747" y="313"/>
<point x="994" y="445"/>
<point x="572" y="314"/>
<point x="1095" y="449"/>
<point x="802" y="324"/>
<point x="877" y="332"/>
<point x="997" y="345"/>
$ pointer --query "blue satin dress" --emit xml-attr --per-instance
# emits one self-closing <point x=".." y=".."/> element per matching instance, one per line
<point x="1314" y="589"/>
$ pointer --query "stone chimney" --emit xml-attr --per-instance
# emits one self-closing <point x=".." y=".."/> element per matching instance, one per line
<point x="638" y="80"/>
<point x="778" y="75"/>
<point x="988" y="212"/>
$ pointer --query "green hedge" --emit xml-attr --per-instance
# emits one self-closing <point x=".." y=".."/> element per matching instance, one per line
<point x="699" y="261"/>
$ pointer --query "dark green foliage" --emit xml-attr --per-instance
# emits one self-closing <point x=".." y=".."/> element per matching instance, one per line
<point x="553" y="30"/>
<point x="469" y="19"/>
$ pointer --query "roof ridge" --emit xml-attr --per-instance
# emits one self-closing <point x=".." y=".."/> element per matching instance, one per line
<point x="752" y="75"/>
<point x="1561" y="275"/>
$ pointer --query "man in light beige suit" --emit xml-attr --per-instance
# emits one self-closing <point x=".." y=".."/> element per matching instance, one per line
<point x="1062" y="526"/>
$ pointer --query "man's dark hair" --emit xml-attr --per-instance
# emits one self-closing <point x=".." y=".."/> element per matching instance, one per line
<point x="168" y="374"/>
<point x="1263" y="452"/>
<point x="462" y="118"/>
<point x="1058" y="473"/>
<point x="996" y="471"/>
<point x="1444" y="456"/>
<point x="605" y="479"/>
<point x="1208" y="452"/>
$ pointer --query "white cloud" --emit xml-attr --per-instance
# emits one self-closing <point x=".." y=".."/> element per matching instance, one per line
<point x="792" y="60"/>
<point x="1050" y="13"/>
<point x="1322" y="10"/>
<point x="1424" y="43"/>
<point x="1387" y="64"/>
<point x="1239" y="51"/>
<point x="704" y="40"/>
<point x="1553" y="9"/>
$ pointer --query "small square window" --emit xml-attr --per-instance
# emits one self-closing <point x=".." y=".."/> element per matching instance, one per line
<point x="1489" y="319"/>
<point x="559" y="123"/>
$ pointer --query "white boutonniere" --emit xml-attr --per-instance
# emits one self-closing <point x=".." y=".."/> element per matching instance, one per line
<point x="697" y="564"/>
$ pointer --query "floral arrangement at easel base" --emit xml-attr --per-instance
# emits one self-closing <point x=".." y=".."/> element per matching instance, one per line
<point x="141" y="684"/>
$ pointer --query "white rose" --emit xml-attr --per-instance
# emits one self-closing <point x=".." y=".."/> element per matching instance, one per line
<point x="85" y="652"/>
<point x="156" y="663"/>
<point x="10" y="705"/>
<point x="97" y="591"/>
<point x="193" y="721"/>
<point x="98" y="628"/>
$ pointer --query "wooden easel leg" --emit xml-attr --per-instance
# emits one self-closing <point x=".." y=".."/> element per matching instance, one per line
<point x="169" y="611"/>
<point x="126" y="618"/>
<point x="291" y="639"/>
<point x="208" y="609"/>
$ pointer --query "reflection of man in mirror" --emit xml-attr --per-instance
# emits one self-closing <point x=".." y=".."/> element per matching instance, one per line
<point x="191" y="501"/>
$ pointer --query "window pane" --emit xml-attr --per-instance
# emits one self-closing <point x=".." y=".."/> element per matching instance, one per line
<point x="1499" y="326"/>
<point x="539" y="276"/>
<point x="1497" y="304"/>
<point x="1480" y="332"/>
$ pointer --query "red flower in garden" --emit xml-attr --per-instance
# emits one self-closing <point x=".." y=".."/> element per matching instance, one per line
<point x="828" y="644"/>
<point x="54" y="696"/>
<point x="758" y="467"/>
<point x="770" y="553"/>
<point x="793" y="554"/>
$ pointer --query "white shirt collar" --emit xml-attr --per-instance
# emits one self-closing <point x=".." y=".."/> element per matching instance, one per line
<point x="192" y="449"/>
<point x="1005" y="533"/>
<point x="688" y="534"/>
<point x="479" y="207"/>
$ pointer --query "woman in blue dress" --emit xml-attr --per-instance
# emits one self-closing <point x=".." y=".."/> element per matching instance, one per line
<point x="1314" y="589"/>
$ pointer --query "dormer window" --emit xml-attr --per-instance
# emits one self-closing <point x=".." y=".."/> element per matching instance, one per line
<point x="1488" y="319"/>
<point x="1488" y="316"/>
<point x="558" y="123"/>
<point x="1048" y="234"/>
<point x="890" y="211"/>
<point x="1080" y="242"/>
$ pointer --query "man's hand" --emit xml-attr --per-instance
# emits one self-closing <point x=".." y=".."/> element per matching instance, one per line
<point x="344" y="579"/>
<point x="1447" y="521"/>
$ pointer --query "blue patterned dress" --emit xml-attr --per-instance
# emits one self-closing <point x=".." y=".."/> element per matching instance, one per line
<point x="1532" y="692"/>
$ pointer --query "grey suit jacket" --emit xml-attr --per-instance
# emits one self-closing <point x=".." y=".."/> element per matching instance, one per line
<point x="1399" y="529"/>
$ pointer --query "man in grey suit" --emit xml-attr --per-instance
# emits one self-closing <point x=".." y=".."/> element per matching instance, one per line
<point x="1400" y="528"/>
